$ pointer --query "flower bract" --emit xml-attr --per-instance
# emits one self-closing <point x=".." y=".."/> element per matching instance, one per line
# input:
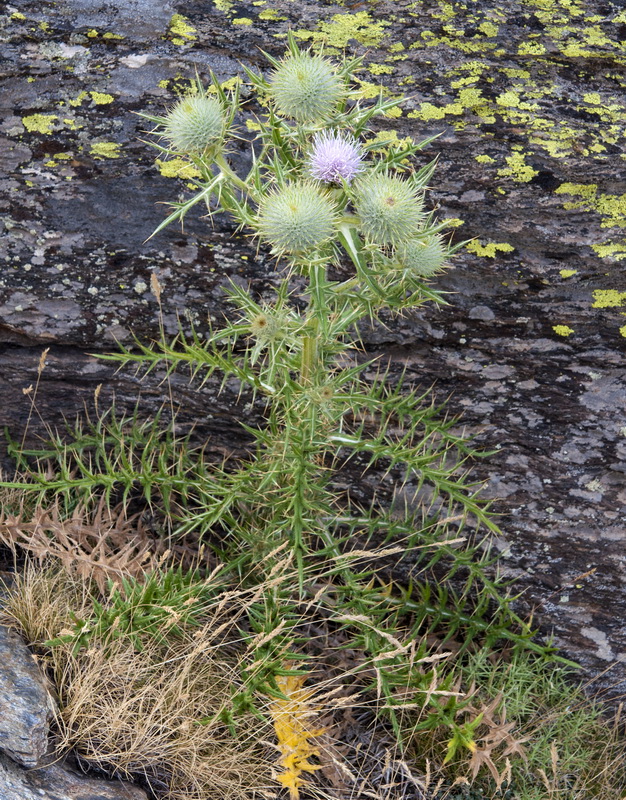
<point x="389" y="208"/>
<point x="195" y="125"/>
<point x="296" y="218"/>
<point x="423" y="256"/>
<point x="335" y="158"/>
<point x="305" y="88"/>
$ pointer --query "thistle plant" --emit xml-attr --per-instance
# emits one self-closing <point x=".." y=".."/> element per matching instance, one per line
<point x="321" y="192"/>
<point x="326" y="198"/>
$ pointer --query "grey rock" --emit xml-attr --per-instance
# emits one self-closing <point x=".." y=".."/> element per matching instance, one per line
<point x="483" y="313"/>
<point x="25" y="703"/>
<point x="57" y="782"/>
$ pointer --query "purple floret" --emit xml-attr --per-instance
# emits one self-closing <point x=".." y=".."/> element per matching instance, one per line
<point x="334" y="158"/>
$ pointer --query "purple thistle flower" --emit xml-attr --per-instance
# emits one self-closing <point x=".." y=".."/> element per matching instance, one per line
<point x="335" y="159"/>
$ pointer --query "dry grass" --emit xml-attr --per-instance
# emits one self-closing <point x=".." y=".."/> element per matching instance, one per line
<point x="154" y="714"/>
<point x="41" y="599"/>
<point x="157" y="715"/>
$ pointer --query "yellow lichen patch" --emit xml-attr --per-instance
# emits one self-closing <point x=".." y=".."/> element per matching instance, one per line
<point x="567" y="273"/>
<point x="77" y="101"/>
<point x="517" y="168"/>
<point x="611" y="207"/>
<point x="622" y="330"/>
<point x="511" y="99"/>
<point x="228" y="85"/>
<point x="563" y="330"/>
<point x="592" y="97"/>
<point x="446" y="13"/>
<point x="292" y="725"/>
<point x="71" y="123"/>
<point x="484" y="159"/>
<point x="488" y="28"/>
<point x="223" y="5"/>
<point x="531" y="49"/>
<point x="17" y="15"/>
<point x="92" y="34"/>
<point x="427" y="111"/>
<point x="101" y="99"/>
<point x="341" y="28"/>
<point x="614" y="250"/>
<point x="100" y="150"/>
<point x="608" y="298"/>
<point x="457" y="39"/>
<point x="368" y="91"/>
<point x="390" y="139"/>
<point x="181" y="31"/>
<point x="177" y="168"/>
<point x="490" y="249"/>
<point x="112" y="36"/>
<point x="243" y="21"/>
<point x="270" y="14"/>
<point x="39" y="123"/>
<point x="380" y="69"/>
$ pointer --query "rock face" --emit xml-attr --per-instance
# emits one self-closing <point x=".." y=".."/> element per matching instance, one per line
<point x="25" y="711"/>
<point x="25" y="705"/>
<point x="528" y="101"/>
<point x="58" y="783"/>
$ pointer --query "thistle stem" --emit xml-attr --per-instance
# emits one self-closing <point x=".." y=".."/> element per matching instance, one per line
<point x="317" y="312"/>
<point x="309" y="359"/>
<point x="227" y="170"/>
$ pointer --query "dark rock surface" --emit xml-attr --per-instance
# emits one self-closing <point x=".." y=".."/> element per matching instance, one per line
<point x="28" y="770"/>
<point x="57" y="782"/>
<point x="25" y="703"/>
<point x="529" y="100"/>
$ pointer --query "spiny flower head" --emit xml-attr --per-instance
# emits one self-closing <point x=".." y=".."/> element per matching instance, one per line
<point x="305" y="88"/>
<point x="335" y="158"/>
<point x="296" y="218"/>
<point x="389" y="208"/>
<point x="423" y="256"/>
<point x="195" y="125"/>
<point x="267" y="325"/>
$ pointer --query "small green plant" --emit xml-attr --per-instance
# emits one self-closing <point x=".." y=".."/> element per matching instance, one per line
<point x="571" y="746"/>
<point x="162" y="605"/>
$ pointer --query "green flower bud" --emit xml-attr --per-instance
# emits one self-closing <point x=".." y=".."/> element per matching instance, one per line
<point x="305" y="88"/>
<point x="265" y="326"/>
<point x="389" y="208"/>
<point x="296" y="218"/>
<point x="423" y="256"/>
<point x="195" y="125"/>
